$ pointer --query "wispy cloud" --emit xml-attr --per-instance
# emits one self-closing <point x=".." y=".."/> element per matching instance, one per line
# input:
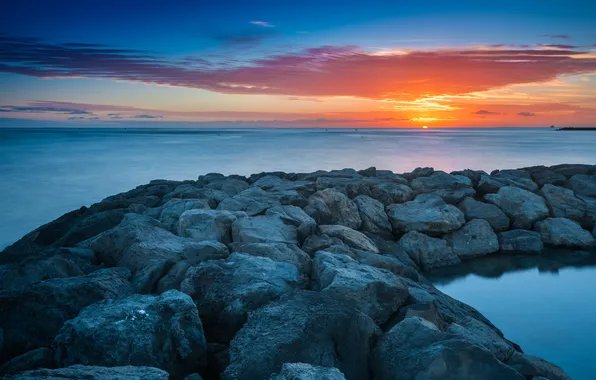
<point x="485" y="112"/>
<point x="264" y="24"/>
<point x="557" y="36"/>
<point x="526" y="114"/>
<point x="42" y="109"/>
<point x="144" y="116"/>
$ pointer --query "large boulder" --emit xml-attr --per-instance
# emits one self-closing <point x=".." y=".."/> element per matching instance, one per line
<point x="295" y="216"/>
<point x="517" y="178"/>
<point x="569" y="170"/>
<point x="39" y="358"/>
<point x="169" y="213"/>
<point x="428" y="252"/>
<point x="208" y="224"/>
<point x="474" y="209"/>
<point x="31" y="316"/>
<point x="349" y="237"/>
<point x="428" y="213"/>
<point x="482" y="335"/>
<point x="90" y="226"/>
<point x="253" y="201"/>
<point x="263" y="229"/>
<point x="520" y="241"/>
<point x="391" y="192"/>
<point x="561" y="232"/>
<point x="163" y="331"/>
<point x="451" y="188"/>
<point x="582" y="184"/>
<point x="285" y="253"/>
<point x="374" y="291"/>
<point x="94" y="372"/>
<point x="330" y="206"/>
<point x="226" y="290"/>
<point x="523" y="207"/>
<point x="230" y="186"/>
<point x="531" y="366"/>
<point x="277" y="184"/>
<point x="416" y="349"/>
<point x="374" y="218"/>
<point x="563" y="203"/>
<point x="547" y="176"/>
<point x="303" y="371"/>
<point x="306" y="327"/>
<point x="472" y="175"/>
<point x="476" y="238"/>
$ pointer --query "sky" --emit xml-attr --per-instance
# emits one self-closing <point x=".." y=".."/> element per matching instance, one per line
<point x="299" y="63"/>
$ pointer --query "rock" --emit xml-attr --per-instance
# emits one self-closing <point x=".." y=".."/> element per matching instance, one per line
<point x="90" y="226"/>
<point x="523" y="207"/>
<point x="426" y="310"/>
<point x="208" y="224"/>
<point x="480" y="334"/>
<point x="329" y="206"/>
<point x="170" y="212"/>
<point x="391" y="192"/>
<point x="475" y="238"/>
<point x="276" y="184"/>
<point x="474" y="209"/>
<point x="370" y="172"/>
<point x="96" y="373"/>
<point x="517" y="178"/>
<point x="561" y="232"/>
<point x="57" y="300"/>
<point x="193" y="376"/>
<point x="173" y="278"/>
<point x="226" y="290"/>
<point x="349" y="237"/>
<point x="253" y="201"/>
<point x="488" y="185"/>
<point x="520" y="241"/>
<point x="428" y="213"/>
<point x="348" y="186"/>
<point x="141" y="330"/>
<point x="303" y="371"/>
<point x="263" y="229"/>
<point x="306" y="327"/>
<point x="374" y="218"/>
<point x="428" y="252"/>
<point x="383" y="261"/>
<point x="394" y="249"/>
<point x="38" y="358"/>
<point x="451" y="188"/>
<point x="295" y="216"/>
<point x="184" y="191"/>
<point x="416" y="349"/>
<point x="582" y="184"/>
<point x="344" y="173"/>
<point x="229" y="186"/>
<point x="546" y="176"/>
<point x="285" y="253"/>
<point x="210" y="177"/>
<point x="532" y="366"/>
<point x="376" y="292"/>
<point x="569" y="170"/>
<point x="472" y="175"/>
<point x="563" y="203"/>
<point x="419" y="172"/>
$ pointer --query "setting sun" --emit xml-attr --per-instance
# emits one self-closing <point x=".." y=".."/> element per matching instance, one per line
<point x="425" y="127"/>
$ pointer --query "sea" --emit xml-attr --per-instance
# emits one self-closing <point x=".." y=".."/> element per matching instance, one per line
<point x="46" y="172"/>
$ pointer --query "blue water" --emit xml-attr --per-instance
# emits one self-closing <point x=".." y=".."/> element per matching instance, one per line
<point x="47" y="172"/>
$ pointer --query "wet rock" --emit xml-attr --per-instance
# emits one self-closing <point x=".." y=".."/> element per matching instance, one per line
<point x="474" y="209"/>
<point x="141" y="330"/>
<point x="303" y="371"/>
<point x="374" y="218"/>
<point x="582" y="184"/>
<point x="451" y="188"/>
<point x="520" y="241"/>
<point x="38" y="358"/>
<point x="208" y="224"/>
<point x="57" y="300"/>
<point x="376" y="292"/>
<point x="226" y="290"/>
<point x="428" y="213"/>
<point x="425" y="310"/>
<point x="295" y="216"/>
<point x="523" y="207"/>
<point x="529" y="366"/>
<point x="306" y="327"/>
<point x="96" y="373"/>
<point x="475" y="238"/>
<point x="428" y="252"/>
<point x="561" y="232"/>
<point x="263" y="229"/>
<point x="330" y="206"/>
<point x="349" y="237"/>
<point x="391" y="192"/>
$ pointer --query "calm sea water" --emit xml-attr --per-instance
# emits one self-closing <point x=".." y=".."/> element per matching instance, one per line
<point x="47" y="172"/>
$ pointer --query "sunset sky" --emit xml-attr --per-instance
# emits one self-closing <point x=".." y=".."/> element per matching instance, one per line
<point x="299" y="63"/>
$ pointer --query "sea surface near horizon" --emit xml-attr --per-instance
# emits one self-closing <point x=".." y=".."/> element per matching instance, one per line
<point x="47" y="172"/>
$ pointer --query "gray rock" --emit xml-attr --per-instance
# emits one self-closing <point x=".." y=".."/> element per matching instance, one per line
<point x="451" y="188"/>
<point x="295" y="216"/>
<point x="141" y="330"/>
<point x="285" y="253"/>
<point x="226" y="290"/>
<point x="561" y="232"/>
<point x="532" y="366"/>
<point x="563" y="203"/>
<point x="276" y="184"/>
<point x="349" y="237"/>
<point x="210" y="177"/>
<point x="349" y="186"/>
<point x="547" y="176"/>
<point x="474" y="209"/>
<point x="38" y="358"/>
<point x="374" y="218"/>
<point x="319" y="242"/>
<point x="307" y="327"/>
<point x="569" y="170"/>
<point x="90" y="226"/>
<point x="475" y="238"/>
<point x="169" y="213"/>
<point x="330" y="206"/>
<point x="230" y="186"/>
<point x="391" y="192"/>
<point x="428" y="213"/>
<point x="184" y="191"/>
<point x="376" y="292"/>
<point x="517" y="178"/>
<point x="416" y="349"/>
<point x="173" y="278"/>
<point x="480" y="334"/>
<point x="343" y="173"/>
<point x="428" y="252"/>
<point x="419" y="172"/>
<point x="253" y="201"/>
<point x="520" y="241"/>
<point x="208" y="224"/>
<point x="472" y="175"/>
<point x="57" y="300"/>
<point x="385" y="261"/>
<point x="303" y="371"/>
<point x="263" y="229"/>
<point x="422" y="309"/>
<point x="96" y="373"/>
<point x="370" y="172"/>
<point x="523" y="207"/>
<point x="582" y="184"/>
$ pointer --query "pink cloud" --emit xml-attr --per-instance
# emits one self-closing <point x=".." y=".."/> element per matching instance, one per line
<point x="264" y="24"/>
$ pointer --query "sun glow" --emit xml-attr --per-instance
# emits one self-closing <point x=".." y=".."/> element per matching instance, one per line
<point x="425" y="127"/>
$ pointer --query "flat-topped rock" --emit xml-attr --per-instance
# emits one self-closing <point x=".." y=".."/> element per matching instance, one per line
<point x="263" y="229"/>
<point x="475" y="238"/>
<point x="374" y="218"/>
<point x="349" y="237"/>
<point x="428" y="252"/>
<point x="523" y="207"/>
<point x="520" y="241"/>
<point x="474" y="209"/>
<point x="208" y="224"/>
<point x="561" y="232"/>
<point x="452" y="188"/>
<point x="582" y="184"/>
<point x="333" y="207"/>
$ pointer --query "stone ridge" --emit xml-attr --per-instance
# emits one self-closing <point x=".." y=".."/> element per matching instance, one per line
<point x="283" y="276"/>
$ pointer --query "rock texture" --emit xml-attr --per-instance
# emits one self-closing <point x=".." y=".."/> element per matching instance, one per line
<point x="523" y="207"/>
<point x="475" y="238"/>
<point x="561" y="232"/>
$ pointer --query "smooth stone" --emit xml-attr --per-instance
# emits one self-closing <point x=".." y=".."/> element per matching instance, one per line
<point x="520" y="241"/>
<point x="428" y="252"/>
<point x="208" y="224"/>
<point x="391" y="192"/>
<point x="263" y="229"/>
<point x="517" y="178"/>
<point x="169" y="213"/>
<point x="94" y="372"/>
<point x="349" y="237"/>
<point x="474" y="209"/>
<point x="547" y="176"/>
<point x="253" y="201"/>
<point x="90" y="226"/>
<point x="285" y="253"/>
<point x="295" y="216"/>
<point x="303" y="371"/>
<point x="523" y="207"/>
<point x="374" y="218"/>
<point x="163" y="331"/>
<point x="475" y="238"/>
<point x="419" y="172"/>
<point x="479" y="333"/>
<point x="561" y="232"/>
<point x="472" y="175"/>
<point x="330" y="206"/>
<point x="582" y="184"/>
<point x="230" y="186"/>
<point x="451" y="188"/>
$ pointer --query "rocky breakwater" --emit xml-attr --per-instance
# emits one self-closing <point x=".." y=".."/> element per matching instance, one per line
<point x="283" y="276"/>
